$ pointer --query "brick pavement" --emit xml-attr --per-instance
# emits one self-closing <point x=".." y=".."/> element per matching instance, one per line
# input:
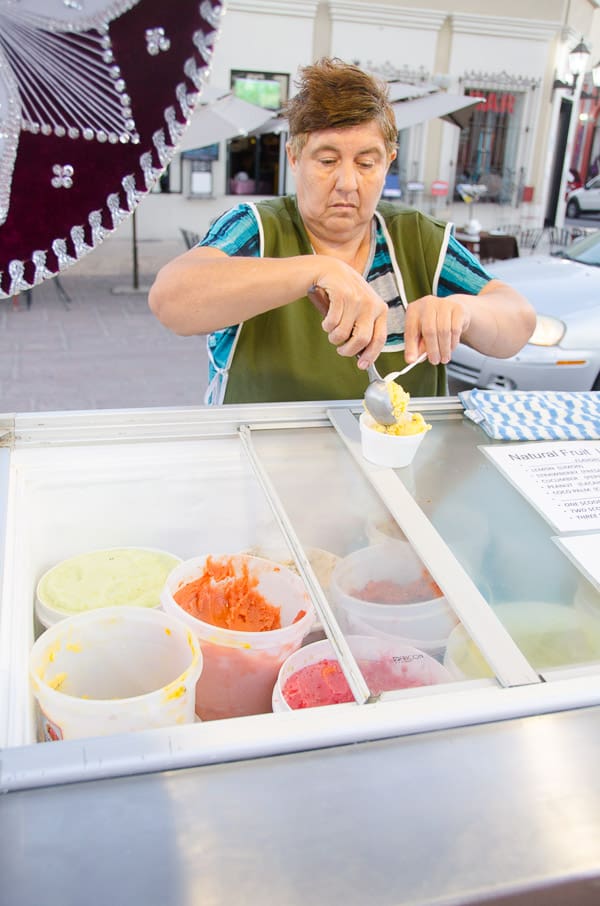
<point x="103" y="349"/>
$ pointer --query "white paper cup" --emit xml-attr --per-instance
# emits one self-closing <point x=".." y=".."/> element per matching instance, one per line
<point x="395" y="451"/>
<point x="401" y="666"/>
<point x="424" y="621"/>
<point x="114" y="670"/>
<point x="240" y="668"/>
<point x="134" y="576"/>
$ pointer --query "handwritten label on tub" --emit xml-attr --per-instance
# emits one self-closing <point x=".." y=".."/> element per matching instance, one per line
<point x="561" y="479"/>
<point x="583" y="551"/>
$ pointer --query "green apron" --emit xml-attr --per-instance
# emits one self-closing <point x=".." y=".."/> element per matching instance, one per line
<point x="284" y="354"/>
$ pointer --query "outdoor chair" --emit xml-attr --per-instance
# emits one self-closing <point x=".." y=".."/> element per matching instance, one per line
<point x="190" y="238"/>
<point x="578" y="232"/>
<point x="529" y="239"/>
<point x="60" y="291"/>
<point x="559" y="238"/>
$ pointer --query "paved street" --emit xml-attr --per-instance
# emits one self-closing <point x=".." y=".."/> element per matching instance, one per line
<point x="101" y="347"/>
<point x="587" y="220"/>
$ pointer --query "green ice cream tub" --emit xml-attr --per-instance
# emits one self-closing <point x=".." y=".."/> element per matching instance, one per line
<point x="111" y="577"/>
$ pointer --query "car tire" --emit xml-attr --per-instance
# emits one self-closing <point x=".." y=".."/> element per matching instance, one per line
<point x="573" y="210"/>
<point x="596" y="384"/>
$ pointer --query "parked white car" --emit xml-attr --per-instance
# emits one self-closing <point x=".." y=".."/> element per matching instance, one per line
<point x="564" y="351"/>
<point x="585" y="200"/>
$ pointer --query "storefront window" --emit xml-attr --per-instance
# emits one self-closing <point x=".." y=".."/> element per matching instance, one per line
<point x="170" y="180"/>
<point x="487" y="152"/>
<point x="200" y="161"/>
<point x="594" y="158"/>
<point x="254" y="162"/>
<point x="397" y="175"/>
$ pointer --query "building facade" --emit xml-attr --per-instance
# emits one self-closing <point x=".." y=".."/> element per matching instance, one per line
<point x="517" y="149"/>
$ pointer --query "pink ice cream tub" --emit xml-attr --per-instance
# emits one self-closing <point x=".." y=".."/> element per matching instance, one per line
<point x="312" y="676"/>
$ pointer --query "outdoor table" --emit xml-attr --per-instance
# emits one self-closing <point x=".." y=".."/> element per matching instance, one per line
<point x="490" y="246"/>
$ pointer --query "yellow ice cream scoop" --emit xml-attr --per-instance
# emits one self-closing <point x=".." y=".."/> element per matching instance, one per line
<point x="405" y="422"/>
<point x="413" y="423"/>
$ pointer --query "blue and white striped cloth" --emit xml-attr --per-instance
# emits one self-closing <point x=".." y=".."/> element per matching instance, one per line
<point x="534" y="415"/>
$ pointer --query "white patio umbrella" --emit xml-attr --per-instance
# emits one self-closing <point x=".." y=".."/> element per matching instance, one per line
<point x="402" y="91"/>
<point x="218" y="117"/>
<point x="453" y="108"/>
<point x="412" y="104"/>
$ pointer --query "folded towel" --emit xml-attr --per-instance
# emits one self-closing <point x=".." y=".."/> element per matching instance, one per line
<point x="534" y="415"/>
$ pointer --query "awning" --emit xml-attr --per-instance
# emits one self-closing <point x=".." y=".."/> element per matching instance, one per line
<point x="208" y="152"/>
<point x="400" y="91"/>
<point x="227" y="117"/>
<point x="410" y="109"/>
<point x="453" y="108"/>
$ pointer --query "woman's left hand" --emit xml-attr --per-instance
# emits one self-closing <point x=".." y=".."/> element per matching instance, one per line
<point x="497" y="322"/>
<point x="435" y="325"/>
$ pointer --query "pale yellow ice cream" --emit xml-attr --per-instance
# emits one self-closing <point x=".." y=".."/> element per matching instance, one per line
<point x="323" y="562"/>
<point x="549" y="635"/>
<point x="406" y="422"/>
<point x="106" y="578"/>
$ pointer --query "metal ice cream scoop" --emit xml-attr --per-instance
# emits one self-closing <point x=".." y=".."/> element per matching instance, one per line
<point x="377" y="395"/>
<point x="378" y="401"/>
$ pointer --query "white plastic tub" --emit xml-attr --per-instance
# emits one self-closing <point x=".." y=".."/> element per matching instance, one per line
<point x="359" y="580"/>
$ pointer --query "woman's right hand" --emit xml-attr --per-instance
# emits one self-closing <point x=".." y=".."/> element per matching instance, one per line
<point x="355" y="317"/>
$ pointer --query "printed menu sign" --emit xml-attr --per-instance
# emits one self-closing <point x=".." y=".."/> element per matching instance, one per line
<point x="561" y="479"/>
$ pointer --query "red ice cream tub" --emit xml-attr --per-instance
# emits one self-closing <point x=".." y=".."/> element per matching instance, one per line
<point x="312" y="676"/>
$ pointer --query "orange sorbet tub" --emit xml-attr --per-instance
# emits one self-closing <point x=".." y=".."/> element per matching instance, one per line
<point x="249" y="614"/>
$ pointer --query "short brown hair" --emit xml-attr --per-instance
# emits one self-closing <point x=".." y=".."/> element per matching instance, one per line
<point x="333" y="95"/>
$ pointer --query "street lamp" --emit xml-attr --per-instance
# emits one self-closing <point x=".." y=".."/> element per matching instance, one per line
<point x="578" y="59"/>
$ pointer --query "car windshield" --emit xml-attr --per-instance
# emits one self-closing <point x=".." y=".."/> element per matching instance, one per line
<point x="586" y="250"/>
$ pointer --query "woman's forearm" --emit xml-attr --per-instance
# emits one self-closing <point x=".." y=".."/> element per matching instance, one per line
<point x="501" y="321"/>
<point x="205" y="290"/>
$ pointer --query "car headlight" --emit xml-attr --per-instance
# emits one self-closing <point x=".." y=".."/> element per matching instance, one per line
<point x="548" y="331"/>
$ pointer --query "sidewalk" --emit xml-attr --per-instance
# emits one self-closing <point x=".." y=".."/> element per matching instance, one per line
<point x="100" y="347"/>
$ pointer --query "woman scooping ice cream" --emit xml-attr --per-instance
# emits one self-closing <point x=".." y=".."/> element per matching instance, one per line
<point x="397" y="281"/>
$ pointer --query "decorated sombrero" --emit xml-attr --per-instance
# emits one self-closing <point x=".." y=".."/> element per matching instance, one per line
<point x="94" y="96"/>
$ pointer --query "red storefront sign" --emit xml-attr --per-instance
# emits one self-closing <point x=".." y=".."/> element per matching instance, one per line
<point x="495" y="101"/>
<point x="439" y="187"/>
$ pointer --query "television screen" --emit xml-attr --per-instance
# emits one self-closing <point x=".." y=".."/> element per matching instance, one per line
<point x="262" y="92"/>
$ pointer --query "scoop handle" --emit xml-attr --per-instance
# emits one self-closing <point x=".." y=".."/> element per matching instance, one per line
<point x="319" y="298"/>
<point x="395" y="374"/>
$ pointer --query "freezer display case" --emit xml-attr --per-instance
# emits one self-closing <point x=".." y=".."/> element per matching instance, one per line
<point x="286" y="482"/>
<point x="289" y="482"/>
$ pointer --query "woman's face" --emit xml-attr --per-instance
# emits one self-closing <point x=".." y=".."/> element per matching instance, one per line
<point x="339" y="176"/>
